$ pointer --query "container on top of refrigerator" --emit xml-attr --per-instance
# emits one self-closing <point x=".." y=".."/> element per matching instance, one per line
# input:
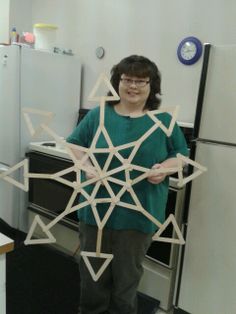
<point x="45" y="36"/>
<point x="14" y="36"/>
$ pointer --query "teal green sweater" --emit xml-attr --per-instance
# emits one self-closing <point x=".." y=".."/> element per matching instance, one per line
<point x="155" y="149"/>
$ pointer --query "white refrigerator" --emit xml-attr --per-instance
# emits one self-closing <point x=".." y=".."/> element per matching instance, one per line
<point x="9" y="129"/>
<point x="40" y="80"/>
<point x="208" y="278"/>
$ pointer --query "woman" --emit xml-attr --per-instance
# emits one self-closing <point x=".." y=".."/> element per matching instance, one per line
<point x="127" y="233"/>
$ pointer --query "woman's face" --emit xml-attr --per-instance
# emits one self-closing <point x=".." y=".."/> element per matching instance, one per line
<point x="134" y="90"/>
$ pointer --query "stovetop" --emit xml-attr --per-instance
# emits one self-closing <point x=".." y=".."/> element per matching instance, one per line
<point x="50" y="148"/>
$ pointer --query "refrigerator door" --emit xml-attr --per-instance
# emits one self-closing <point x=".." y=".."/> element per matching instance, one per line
<point x="50" y="82"/>
<point x="9" y="130"/>
<point x="219" y="105"/>
<point x="209" y="278"/>
<point x="9" y="105"/>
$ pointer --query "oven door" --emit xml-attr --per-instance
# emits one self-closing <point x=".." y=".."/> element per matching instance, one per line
<point x="49" y="197"/>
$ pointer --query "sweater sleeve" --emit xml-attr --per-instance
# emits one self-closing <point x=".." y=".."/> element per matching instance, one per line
<point x="177" y="143"/>
<point x="83" y="133"/>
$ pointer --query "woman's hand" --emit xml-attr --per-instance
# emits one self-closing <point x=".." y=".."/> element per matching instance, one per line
<point x="157" y="178"/>
<point x="170" y="165"/>
<point x="90" y="175"/>
<point x="90" y="172"/>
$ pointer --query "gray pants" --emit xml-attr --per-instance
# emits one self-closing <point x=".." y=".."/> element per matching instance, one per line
<point x="115" y="291"/>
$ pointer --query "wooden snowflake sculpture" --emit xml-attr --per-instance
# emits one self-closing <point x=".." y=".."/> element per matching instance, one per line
<point x="102" y="176"/>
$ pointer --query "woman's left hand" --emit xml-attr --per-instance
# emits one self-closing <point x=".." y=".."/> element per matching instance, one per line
<point x="158" y="178"/>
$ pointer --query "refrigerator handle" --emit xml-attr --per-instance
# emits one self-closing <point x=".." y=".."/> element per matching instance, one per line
<point x="3" y="168"/>
<point x="201" y="91"/>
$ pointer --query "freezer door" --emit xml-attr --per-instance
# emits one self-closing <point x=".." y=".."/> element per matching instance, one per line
<point x="50" y="82"/>
<point x="219" y="105"/>
<point x="209" y="277"/>
<point x="9" y="105"/>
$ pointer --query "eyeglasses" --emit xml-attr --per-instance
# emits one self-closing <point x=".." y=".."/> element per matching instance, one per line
<point x="138" y="83"/>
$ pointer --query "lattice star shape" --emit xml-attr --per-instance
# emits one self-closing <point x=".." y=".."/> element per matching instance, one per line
<point x="102" y="176"/>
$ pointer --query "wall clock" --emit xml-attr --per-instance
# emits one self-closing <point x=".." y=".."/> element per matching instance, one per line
<point x="189" y="50"/>
<point x="100" y="52"/>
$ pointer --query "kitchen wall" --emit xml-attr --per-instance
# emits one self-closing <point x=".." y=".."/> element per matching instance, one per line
<point x="152" y="28"/>
<point x="4" y="21"/>
<point x="21" y="15"/>
<point x="14" y="13"/>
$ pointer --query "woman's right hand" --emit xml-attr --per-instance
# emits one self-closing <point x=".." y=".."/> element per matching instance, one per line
<point x="90" y="175"/>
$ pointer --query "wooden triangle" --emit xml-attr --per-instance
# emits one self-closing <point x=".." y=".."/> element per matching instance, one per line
<point x="107" y="257"/>
<point x="101" y="222"/>
<point x="173" y="112"/>
<point x="103" y="80"/>
<point x="60" y="140"/>
<point x="185" y="160"/>
<point x="37" y="221"/>
<point x="170" y="219"/>
<point x="70" y="148"/>
<point x="47" y="117"/>
<point x="24" y="186"/>
<point x="58" y="176"/>
<point x="101" y="131"/>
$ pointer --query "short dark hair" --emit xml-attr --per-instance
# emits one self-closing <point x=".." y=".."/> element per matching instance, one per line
<point x="138" y="66"/>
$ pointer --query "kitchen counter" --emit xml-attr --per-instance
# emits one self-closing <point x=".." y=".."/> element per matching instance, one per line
<point x="6" y="244"/>
<point x="50" y="148"/>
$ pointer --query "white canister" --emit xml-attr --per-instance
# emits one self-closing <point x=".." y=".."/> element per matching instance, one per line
<point x="45" y="36"/>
